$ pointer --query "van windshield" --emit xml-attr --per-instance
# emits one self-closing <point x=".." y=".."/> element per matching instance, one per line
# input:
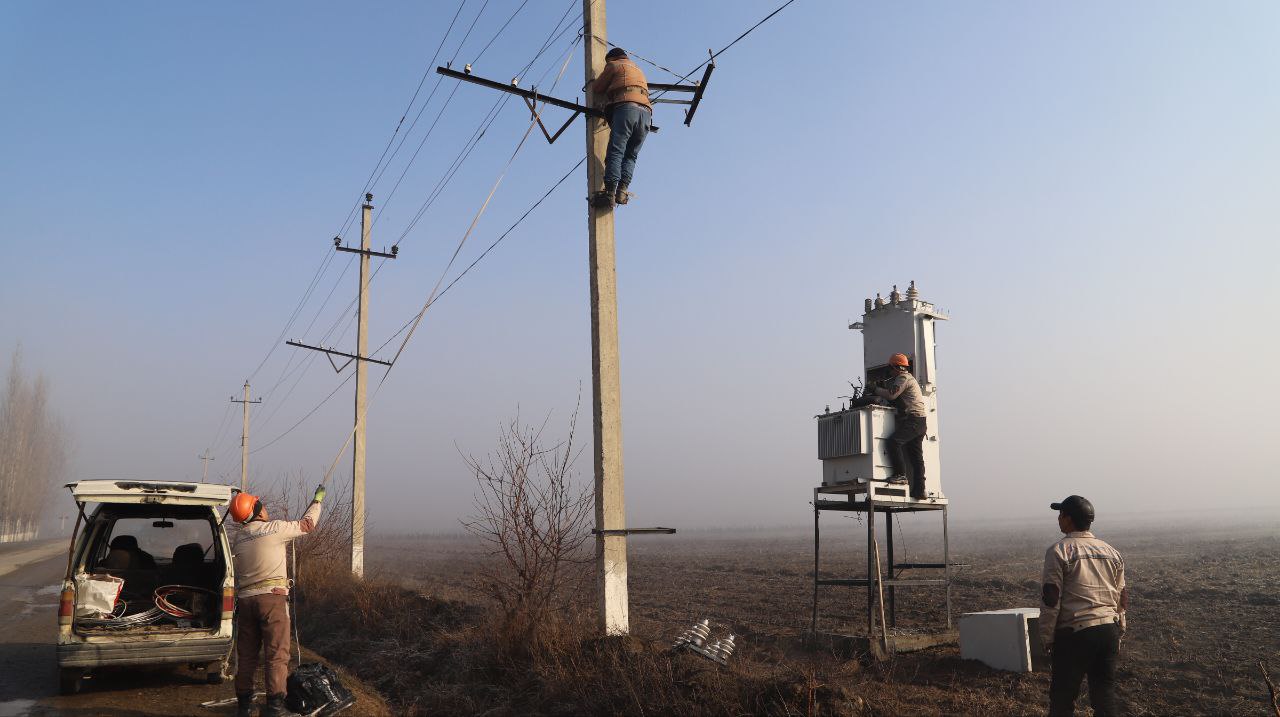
<point x="155" y="541"/>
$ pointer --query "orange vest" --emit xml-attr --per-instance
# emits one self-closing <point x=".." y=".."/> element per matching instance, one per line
<point x="621" y="81"/>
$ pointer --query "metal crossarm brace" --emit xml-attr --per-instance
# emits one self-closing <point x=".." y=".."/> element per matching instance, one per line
<point x="551" y="138"/>
<point x="335" y="352"/>
<point x="527" y="94"/>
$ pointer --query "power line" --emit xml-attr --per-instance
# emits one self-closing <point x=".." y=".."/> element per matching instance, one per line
<point x="446" y="178"/>
<point x="511" y="228"/>
<point x="432" y="301"/>
<point x="499" y="32"/>
<point x="717" y="53"/>
<point x="430" y="66"/>
<point x="305" y="417"/>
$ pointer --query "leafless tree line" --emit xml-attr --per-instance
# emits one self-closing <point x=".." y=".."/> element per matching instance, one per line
<point x="534" y="515"/>
<point x="33" y="452"/>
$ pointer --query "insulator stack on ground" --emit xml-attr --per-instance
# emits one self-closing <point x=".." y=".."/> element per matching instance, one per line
<point x="721" y="649"/>
<point x="696" y="635"/>
<point x="695" y="640"/>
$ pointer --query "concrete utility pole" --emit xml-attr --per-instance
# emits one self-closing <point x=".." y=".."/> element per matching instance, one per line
<point x="611" y="517"/>
<point x="362" y="360"/>
<point x="244" y="438"/>
<point x="362" y="399"/>
<point x="206" y="458"/>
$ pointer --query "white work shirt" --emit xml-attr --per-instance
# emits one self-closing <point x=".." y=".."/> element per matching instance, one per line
<point x="261" y="560"/>
<point x="1083" y="578"/>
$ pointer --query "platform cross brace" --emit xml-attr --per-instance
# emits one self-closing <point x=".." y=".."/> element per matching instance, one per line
<point x="865" y="582"/>
<point x="634" y="531"/>
<point x="335" y="352"/>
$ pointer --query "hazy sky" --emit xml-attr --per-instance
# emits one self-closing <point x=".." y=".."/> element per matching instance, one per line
<point x="1092" y="189"/>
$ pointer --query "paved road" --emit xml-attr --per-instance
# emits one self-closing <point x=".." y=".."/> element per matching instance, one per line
<point x="28" y="668"/>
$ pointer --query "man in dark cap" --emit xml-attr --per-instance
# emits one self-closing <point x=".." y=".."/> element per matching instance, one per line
<point x="623" y="92"/>
<point x="1083" y="601"/>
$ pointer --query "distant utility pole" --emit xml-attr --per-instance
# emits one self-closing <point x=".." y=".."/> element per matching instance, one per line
<point x="362" y="359"/>
<point x="62" y="524"/>
<point x="206" y="458"/>
<point x="611" y="516"/>
<point x="244" y="439"/>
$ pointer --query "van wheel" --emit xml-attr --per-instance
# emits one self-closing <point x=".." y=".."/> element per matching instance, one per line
<point x="213" y="675"/>
<point x="69" y="680"/>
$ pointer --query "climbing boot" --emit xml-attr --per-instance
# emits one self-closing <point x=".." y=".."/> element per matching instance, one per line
<point x="244" y="704"/>
<point x="897" y="479"/>
<point x="604" y="199"/>
<point x="275" y="707"/>
<point x="622" y="196"/>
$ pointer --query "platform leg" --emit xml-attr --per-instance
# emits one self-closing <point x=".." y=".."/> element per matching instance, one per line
<point x="871" y="582"/>
<point x="813" y="622"/>
<point x="888" y="531"/>
<point x="946" y="563"/>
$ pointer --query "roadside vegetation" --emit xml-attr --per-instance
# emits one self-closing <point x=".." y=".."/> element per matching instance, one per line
<point x="528" y="643"/>
<point x="33" y="452"/>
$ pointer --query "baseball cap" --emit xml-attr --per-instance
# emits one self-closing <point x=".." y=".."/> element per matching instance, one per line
<point x="1075" y="506"/>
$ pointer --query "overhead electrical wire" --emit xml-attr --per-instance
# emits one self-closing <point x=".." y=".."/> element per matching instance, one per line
<point x="368" y="183"/>
<point x="721" y="51"/>
<point x="312" y="284"/>
<point x="557" y="32"/>
<point x="328" y="259"/>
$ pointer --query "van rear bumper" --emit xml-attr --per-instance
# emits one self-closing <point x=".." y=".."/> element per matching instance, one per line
<point x="149" y="652"/>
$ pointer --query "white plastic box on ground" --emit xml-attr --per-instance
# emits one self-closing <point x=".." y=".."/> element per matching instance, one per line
<point x="1003" y="639"/>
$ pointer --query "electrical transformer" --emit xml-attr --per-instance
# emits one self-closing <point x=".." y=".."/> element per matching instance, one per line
<point x="852" y="442"/>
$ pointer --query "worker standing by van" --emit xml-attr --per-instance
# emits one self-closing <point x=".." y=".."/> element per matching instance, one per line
<point x="907" y="440"/>
<point x="625" y="93"/>
<point x="262" y="589"/>
<point x="1083" y="601"/>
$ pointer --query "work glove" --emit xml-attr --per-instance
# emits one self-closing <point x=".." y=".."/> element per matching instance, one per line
<point x="319" y="496"/>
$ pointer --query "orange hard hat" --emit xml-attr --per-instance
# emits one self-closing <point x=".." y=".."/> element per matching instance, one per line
<point x="899" y="360"/>
<point x="244" y="507"/>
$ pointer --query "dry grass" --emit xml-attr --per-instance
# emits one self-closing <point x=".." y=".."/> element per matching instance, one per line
<point x="423" y="630"/>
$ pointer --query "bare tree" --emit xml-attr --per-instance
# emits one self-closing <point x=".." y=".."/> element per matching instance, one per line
<point x="533" y="514"/>
<point x="33" y="452"/>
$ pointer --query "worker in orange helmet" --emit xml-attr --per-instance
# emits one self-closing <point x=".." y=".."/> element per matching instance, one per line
<point x="262" y="589"/>
<point x="907" y="441"/>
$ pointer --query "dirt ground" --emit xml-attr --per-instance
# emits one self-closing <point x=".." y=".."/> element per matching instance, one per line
<point x="1205" y="609"/>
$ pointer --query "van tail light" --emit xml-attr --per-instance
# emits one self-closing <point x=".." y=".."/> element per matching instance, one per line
<point x="228" y="603"/>
<point x="66" y="606"/>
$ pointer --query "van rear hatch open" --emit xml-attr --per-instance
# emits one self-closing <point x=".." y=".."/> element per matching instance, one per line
<point x="155" y="492"/>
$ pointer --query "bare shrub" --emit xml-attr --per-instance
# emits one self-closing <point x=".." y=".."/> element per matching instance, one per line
<point x="33" y="452"/>
<point x="531" y="512"/>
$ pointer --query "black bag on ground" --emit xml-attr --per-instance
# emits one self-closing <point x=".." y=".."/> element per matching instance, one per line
<point x="314" y="689"/>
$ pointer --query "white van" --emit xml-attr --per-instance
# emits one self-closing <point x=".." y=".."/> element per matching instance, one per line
<point x="149" y="535"/>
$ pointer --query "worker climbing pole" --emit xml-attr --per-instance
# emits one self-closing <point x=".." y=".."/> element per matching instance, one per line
<point x="624" y="91"/>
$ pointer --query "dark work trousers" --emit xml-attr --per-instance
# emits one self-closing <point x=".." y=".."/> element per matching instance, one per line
<point x="908" y="438"/>
<point x="1093" y="651"/>
<point x="262" y="626"/>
